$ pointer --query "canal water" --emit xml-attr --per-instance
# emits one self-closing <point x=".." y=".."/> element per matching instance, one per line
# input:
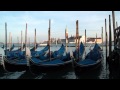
<point x="100" y="73"/>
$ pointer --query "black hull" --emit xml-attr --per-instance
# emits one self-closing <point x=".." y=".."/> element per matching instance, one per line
<point x="1" y="68"/>
<point x="82" y="69"/>
<point x="92" y="74"/>
<point x="14" y="67"/>
<point x="2" y="71"/>
<point x="39" y="68"/>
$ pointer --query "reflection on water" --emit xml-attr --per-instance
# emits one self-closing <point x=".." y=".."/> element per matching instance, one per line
<point x="62" y="74"/>
<point x="100" y="73"/>
<point x="94" y="74"/>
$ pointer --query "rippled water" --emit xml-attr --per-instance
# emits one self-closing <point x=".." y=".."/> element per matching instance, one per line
<point x="100" y="73"/>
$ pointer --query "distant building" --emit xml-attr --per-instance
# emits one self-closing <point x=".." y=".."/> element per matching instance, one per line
<point x="93" y="40"/>
<point x="71" y="39"/>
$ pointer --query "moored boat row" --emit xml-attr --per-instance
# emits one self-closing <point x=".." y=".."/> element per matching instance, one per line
<point x="46" y="60"/>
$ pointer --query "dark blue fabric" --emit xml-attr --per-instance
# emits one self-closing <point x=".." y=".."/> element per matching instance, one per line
<point x="18" y="61"/>
<point x="92" y="56"/>
<point x="95" y="53"/>
<point x="87" y="62"/>
<point x="36" y="60"/>
<point x="54" y="54"/>
<point x="56" y="61"/>
<point x="96" y="47"/>
<point x="81" y="50"/>
<point x="59" y="52"/>
<point x="53" y="62"/>
<point x="42" y="51"/>
<point x="33" y="49"/>
<point x="43" y="57"/>
<point x="39" y="53"/>
<point x="16" y="54"/>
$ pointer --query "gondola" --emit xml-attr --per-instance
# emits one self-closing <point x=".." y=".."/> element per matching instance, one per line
<point x="39" y="53"/>
<point x="55" y="54"/>
<point x="15" y="54"/>
<point x="50" y="65"/>
<point x="55" y="64"/>
<point x="2" y="53"/>
<point x="19" y="63"/>
<point x="92" y="60"/>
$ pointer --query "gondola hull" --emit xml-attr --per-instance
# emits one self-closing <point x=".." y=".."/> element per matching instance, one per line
<point x="14" y="67"/>
<point x="92" y="60"/>
<point x="91" y="74"/>
<point x="1" y="68"/>
<point x="45" y="68"/>
<point x="86" y="68"/>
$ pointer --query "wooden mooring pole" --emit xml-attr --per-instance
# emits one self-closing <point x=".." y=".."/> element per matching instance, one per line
<point x="9" y="40"/>
<point x="106" y="44"/>
<point x="116" y="24"/>
<point x="18" y="42"/>
<point x="77" y="38"/>
<point x="96" y="38"/>
<point x="21" y="41"/>
<point x="26" y="40"/>
<point x="29" y="42"/>
<point x="76" y="34"/>
<point x="106" y="39"/>
<point x="35" y="40"/>
<point x="102" y="38"/>
<point x="49" y="39"/>
<point x="85" y="42"/>
<point x="110" y="38"/>
<point x="113" y="18"/>
<point x="5" y="39"/>
<point x="66" y="39"/>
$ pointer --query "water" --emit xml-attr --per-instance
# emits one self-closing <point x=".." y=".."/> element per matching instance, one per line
<point x="100" y="73"/>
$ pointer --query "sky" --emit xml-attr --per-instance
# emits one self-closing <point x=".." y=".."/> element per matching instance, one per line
<point x="16" y="21"/>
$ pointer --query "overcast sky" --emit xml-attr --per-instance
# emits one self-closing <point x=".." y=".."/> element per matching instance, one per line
<point x="92" y="21"/>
